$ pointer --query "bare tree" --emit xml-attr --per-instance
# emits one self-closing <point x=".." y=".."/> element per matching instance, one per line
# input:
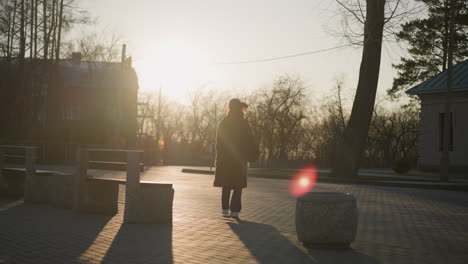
<point x="348" y="156"/>
<point x="392" y="136"/>
<point x="23" y="22"/>
<point x="207" y="107"/>
<point x="59" y="35"/>
<point x="279" y="112"/>
<point x="377" y="17"/>
<point x="353" y="14"/>
<point x="96" y="47"/>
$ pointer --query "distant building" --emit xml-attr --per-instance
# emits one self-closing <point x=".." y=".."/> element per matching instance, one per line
<point x="59" y="106"/>
<point x="430" y="136"/>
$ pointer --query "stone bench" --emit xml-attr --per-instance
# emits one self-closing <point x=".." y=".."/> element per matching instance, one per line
<point x="17" y="181"/>
<point x="45" y="187"/>
<point x="12" y="182"/>
<point x="40" y="188"/>
<point x="96" y="196"/>
<point x="111" y="165"/>
<point x="145" y="202"/>
<point x="326" y="219"/>
<point x="62" y="191"/>
<point x="152" y="204"/>
<point x="16" y="184"/>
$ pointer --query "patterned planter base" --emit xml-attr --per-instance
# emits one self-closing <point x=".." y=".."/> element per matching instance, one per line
<point x="326" y="219"/>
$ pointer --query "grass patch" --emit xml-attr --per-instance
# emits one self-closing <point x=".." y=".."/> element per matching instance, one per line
<point x="327" y="175"/>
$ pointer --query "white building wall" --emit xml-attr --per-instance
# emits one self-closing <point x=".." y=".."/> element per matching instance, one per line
<point x="428" y="138"/>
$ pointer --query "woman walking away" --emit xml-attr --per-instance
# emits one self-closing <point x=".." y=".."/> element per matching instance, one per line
<point x="235" y="146"/>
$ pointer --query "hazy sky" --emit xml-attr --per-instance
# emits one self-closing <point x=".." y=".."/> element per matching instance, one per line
<point x="175" y="44"/>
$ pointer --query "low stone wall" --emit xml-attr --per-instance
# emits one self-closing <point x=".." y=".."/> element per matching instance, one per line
<point x="13" y="183"/>
<point x="105" y="165"/>
<point x="146" y="202"/>
<point x="41" y="188"/>
<point x="154" y="204"/>
<point x="62" y="193"/>
<point x="97" y="196"/>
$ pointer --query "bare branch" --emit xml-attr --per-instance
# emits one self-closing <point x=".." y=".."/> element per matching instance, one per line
<point x="360" y="19"/>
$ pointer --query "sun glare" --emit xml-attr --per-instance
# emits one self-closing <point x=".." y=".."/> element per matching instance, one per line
<point x="303" y="182"/>
<point x="175" y="68"/>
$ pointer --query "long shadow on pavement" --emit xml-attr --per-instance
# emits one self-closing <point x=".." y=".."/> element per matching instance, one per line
<point x="268" y="245"/>
<point x="349" y="256"/>
<point x="33" y="233"/>
<point x="455" y="198"/>
<point x="141" y="243"/>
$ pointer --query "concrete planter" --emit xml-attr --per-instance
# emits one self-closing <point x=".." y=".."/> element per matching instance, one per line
<point x="326" y="219"/>
<point x="97" y="196"/>
<point x="13" y="183"/>
<point x="40" y="188"/>
<point x="153" y="204"/>
<point x="146" y="202"/>
<point x="62" y="191"/>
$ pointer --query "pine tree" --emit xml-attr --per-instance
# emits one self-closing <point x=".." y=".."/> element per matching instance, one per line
<point x="427" y="42"/>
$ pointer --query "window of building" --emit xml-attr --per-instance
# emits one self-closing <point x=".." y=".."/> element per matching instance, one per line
<point x="71" y="112"/>
<point x="441" y="131"/>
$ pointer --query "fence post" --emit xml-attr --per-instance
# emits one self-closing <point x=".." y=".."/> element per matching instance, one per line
<point x="30" y="173"/>
<point x="132" y="187"/>
<point x="80" y="176"/>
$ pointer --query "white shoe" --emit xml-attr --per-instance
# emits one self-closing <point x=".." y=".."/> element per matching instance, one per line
<point x="234" y="214"/>
<point x="225" y="212"/>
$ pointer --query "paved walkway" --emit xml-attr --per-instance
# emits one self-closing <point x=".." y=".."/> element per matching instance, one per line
<point x="396" y="225"/>
<point x="379" y="173"/>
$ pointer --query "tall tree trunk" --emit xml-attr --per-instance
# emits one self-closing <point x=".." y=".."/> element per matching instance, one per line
<point x="36" y="13"/>
<point x="60" y="18"/>
<point x="9" y="26"/>
<point x="445" y="158"/>
<point x="13" y="28"/>
<point x="445" y="39"/>
<point x="348" y="154"/>
<point x="31" y="31"/>
<point x="21" y="93"/>
<point x="22" y="33"/>
<point x="44" y="28"/>
<point x="54" y="27"/>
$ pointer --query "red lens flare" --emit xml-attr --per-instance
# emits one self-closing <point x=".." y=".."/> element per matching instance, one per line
<point x="303" y="181"/>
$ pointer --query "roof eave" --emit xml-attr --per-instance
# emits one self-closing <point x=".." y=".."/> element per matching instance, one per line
<point x="435" y="91"/>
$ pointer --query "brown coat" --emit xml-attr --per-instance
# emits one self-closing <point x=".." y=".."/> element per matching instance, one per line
<point x="234" y="141"/>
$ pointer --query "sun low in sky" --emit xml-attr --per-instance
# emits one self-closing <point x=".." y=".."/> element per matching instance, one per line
<point x="175" y="68"/>
<point x="180" y="45"/>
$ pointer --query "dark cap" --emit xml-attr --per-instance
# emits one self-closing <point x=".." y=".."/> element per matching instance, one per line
<point x="237" y="104"/>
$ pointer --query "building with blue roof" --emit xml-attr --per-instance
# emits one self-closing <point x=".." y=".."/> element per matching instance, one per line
<point x="432" y="94"/>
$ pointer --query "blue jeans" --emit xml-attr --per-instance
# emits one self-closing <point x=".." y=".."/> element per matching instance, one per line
<point x="235" y="205"/>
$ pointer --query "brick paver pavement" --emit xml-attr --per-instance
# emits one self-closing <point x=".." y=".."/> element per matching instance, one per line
<point x="396" y="225"/>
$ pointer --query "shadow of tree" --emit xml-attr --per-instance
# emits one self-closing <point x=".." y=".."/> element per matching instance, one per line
<point x="268" y="245"/>
<point x="340" y="256"/>
<point x="141" y="243"/>
<point x="454" y="198"/>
